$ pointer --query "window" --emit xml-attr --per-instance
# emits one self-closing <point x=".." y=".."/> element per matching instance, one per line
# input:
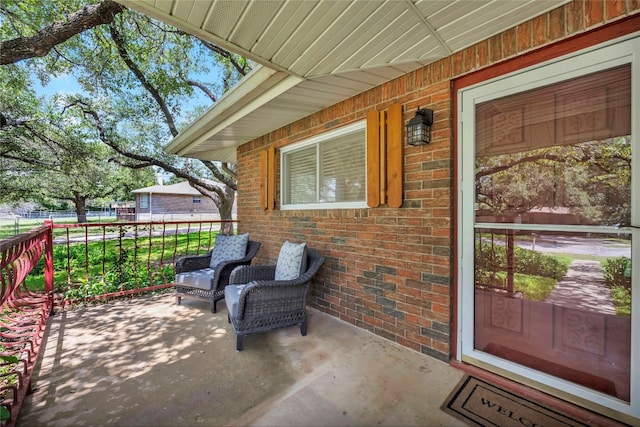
<point x="144" y="201"/>
<point x="328" y="170"/>
<point x="197" y="199"/>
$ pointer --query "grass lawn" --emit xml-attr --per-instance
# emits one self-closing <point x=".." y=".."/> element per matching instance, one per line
<point x="534" y="288"/>
<point x="120" y="263"/>
<point x="11" y="227"/>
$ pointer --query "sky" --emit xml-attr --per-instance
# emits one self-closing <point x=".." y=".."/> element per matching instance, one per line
<point x="66" y="84"/>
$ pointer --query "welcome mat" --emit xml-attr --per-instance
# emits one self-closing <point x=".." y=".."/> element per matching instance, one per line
<point x="484" y="404"/>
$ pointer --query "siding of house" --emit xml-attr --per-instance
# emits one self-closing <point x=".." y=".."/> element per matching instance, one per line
<point x="176" y="203"/>
<point x="391" y="271"/>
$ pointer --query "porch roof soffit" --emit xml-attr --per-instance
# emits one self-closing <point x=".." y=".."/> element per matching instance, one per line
<point x="315" y="53"/>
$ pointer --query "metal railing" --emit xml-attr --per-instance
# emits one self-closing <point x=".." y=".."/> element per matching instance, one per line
<point x="98" y="261"/>
<point x="63" y="265"/>
<point x="24" y="315"/>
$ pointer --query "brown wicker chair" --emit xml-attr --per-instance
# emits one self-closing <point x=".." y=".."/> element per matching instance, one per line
<point x="199" y="285"/>
<point x="258" y="303"/>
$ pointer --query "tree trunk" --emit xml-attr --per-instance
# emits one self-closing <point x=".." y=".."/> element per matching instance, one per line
<point x="225" y="207"/>
<point x="80" y="202"/>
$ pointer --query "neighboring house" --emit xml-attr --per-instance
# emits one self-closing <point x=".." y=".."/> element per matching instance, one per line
<point x="318" y="134"/>
<point x="173" y="202"/>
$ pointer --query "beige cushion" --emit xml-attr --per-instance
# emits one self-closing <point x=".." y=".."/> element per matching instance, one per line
<point x="292" y="261"/>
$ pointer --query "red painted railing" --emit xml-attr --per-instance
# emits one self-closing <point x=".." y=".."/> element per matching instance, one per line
<point x="79" y="263"/>
<point x="24" y="315"/>
<point x="98" y="261"/>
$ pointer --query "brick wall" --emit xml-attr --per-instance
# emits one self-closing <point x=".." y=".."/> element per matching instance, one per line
<point x="390" y="271"/>
<point x="177" y="203"/>
<point x="162" y="203"/>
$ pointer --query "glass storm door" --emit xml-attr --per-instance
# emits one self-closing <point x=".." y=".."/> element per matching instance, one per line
<point x="548" y="248"/>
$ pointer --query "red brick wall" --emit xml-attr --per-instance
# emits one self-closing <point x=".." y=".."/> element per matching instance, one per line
<point x="390" y="271"/>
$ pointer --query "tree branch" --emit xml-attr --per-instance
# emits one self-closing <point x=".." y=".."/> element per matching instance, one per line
<point x="122" y="51"/>
<point x="147" y="160"/>
<point x="220" y="176"/>
<point x="225" y="54"/>
<point x="227" y="169"/>
<point x="128" y="164"/>
<point x="18" y="49"/>
<point x="29" y="160"/>
<point x="203" y="88"/>
<point x="500" y="168"/>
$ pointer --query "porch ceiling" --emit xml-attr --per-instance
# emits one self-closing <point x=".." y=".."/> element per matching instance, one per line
<point x="315" y="53"/>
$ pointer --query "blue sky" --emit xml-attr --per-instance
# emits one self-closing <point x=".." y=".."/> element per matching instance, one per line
<point x="67" y="84"/>
<point x="58" y="85"/>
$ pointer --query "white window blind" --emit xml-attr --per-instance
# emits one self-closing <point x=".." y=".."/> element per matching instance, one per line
<point x="327" y="169"/>
<point x="342" y="172"/>
<point x="302" y="166"/>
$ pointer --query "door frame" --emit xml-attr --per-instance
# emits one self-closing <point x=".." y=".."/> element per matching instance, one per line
<point x="625" y="49"/>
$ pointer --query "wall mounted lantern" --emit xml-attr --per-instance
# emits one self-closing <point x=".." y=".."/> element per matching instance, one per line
<point x="419" y="127"/>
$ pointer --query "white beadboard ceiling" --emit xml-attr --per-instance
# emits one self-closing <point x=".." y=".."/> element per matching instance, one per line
<point x="315" y="53"/>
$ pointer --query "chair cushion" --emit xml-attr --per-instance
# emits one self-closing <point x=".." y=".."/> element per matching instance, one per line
<point x="200" y="279"/>
<point x="232" y="298"/>
<point x="228" y="248"/>
<point x="292" y="261"/>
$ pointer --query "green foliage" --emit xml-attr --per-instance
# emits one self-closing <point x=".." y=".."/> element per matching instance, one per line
<point x="493" y="257"/>
<point x="9" y="359"/>
<point x="592" y="177"/>
<point x="124" y="275"/>
<point x="621" y="298"/>
<point x="118" y="265"/>
<point x="535" y="273"/>
<point x="617" y="272"/>
<point x="617" y="276"/>
<point x="143" y="80"/>
<point x="533" y="288"/>
<point x="71" y="168"/>
<point x="5" y="414"/>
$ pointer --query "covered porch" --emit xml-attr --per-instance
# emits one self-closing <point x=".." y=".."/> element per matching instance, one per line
<point x="149" y="362"/>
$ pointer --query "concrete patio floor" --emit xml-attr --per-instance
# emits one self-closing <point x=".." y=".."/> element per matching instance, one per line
<point x="149" y="362"/>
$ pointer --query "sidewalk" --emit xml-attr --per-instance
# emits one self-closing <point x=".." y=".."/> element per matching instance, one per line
<point x="149" y="362"/>
<point x="583" y="287"/>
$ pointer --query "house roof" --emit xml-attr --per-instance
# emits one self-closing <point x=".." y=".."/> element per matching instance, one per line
<point x="316" y="53"/>
<point x="182" y="188"/>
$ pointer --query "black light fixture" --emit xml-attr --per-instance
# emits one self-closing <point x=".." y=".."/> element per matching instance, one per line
<point x="419" y="127"/>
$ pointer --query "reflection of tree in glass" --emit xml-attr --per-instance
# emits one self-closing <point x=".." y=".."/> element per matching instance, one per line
<point x="590" y="181"/>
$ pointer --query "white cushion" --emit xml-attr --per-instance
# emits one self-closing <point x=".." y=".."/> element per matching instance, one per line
<point x="228" y="248"/>
<point x="200" y="279"/>
<point x="292" y="261"/>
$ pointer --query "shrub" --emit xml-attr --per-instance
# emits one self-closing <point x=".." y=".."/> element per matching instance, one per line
<point x="621" y="300"/>
<point x="121" y="277"/>
<point x="494" y="258"/>
<point x="617" y="272"/>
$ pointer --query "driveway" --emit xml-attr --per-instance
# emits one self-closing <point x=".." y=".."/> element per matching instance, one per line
<point x="603" y="247"/>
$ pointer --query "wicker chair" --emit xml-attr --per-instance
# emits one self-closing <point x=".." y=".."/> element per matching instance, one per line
<point x="258" y="303"/>
<point x="199" y="285"/>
